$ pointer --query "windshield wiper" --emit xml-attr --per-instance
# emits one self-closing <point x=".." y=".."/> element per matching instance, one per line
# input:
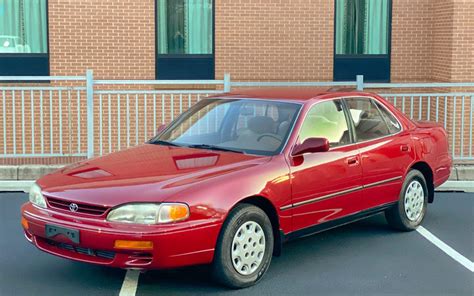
<point x="212" y="147"/>
<point x="166" y="143"/>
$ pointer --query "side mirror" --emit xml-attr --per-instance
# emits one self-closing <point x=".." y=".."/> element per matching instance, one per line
<point x="160" y="128"/>
<point x="311" y="145"/>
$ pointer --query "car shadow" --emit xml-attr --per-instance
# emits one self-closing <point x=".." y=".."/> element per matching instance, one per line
<point x="317" y="249"/>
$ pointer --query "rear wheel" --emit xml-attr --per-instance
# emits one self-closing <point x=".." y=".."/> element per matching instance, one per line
<point x="244" y="249"/>
<point x="410" y="210"/>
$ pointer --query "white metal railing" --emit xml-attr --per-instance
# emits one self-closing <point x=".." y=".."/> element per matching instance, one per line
<point x="34" y="118"/>
<point x="80" y="116"/>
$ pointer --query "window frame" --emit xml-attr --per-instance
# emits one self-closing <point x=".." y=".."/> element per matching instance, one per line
<point x="174" y="73"/>
<point x="360" y="60"/>
<point x="372" y="101"/>
<point x="28" y="64"/>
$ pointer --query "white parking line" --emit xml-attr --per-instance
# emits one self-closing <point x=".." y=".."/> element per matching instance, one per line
<point x="130" y="283"/>
<point x="445" y="248"/>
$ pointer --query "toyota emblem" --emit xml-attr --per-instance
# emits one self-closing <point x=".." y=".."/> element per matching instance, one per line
<point x="73" y="207"/>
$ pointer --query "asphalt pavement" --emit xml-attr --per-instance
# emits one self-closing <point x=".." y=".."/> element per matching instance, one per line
<point x="363" y="258"/>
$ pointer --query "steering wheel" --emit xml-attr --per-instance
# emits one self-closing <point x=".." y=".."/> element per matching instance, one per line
<point x="268" y="135"/>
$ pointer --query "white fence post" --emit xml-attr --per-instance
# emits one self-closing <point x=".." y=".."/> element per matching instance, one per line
<point x="227" y="82"/>
<point x="360" y="82"/>
<point x="90" y="112"/>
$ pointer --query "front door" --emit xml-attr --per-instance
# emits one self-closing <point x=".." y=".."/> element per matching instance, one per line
<point x="326" y="185"/>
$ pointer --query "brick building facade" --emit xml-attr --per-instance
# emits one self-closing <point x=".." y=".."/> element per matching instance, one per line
<point x="431" y="40"/>
<point x="253" y="40"/>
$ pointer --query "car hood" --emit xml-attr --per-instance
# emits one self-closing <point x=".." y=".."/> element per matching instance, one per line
<point x="146" y="173"/>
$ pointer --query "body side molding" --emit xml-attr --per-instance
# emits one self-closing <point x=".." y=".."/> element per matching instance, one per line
<point x="320" y="198"/>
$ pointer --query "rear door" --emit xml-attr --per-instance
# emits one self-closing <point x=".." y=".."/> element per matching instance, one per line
<point x="385" y="149"/>
<point x="326" y="185"/>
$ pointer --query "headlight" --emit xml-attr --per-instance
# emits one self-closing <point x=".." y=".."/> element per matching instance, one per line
<point x="149" y="213"/>
<point x="36" y="197"/>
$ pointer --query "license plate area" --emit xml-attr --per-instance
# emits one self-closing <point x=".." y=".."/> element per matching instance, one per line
<point x="53" y="230"/>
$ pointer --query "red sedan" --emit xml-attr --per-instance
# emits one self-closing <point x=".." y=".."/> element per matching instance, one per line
<point x="237" y="175"/>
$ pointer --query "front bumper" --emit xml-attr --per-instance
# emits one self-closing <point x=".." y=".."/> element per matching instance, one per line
<point x="174" y="245"/>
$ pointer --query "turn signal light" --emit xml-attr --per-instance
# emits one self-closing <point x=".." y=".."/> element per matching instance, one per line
<point x="178" y="212"/>
<point x="133" y="245"/>
<point x="24" y="223"/>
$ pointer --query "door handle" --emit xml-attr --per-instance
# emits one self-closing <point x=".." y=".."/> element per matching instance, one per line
<point x="354" y="160"/>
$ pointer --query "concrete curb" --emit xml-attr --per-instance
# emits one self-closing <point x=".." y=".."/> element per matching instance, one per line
<point x="18" y="186"/>
<point x="15" y="185"/>
<point x="465" y="186"/>
<point x="27" y="171"/>
<point x="465" y="172"/>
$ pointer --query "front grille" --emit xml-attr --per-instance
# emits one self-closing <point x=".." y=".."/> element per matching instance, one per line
<point x="82" y="208"/>
<point x="81" y="250"/>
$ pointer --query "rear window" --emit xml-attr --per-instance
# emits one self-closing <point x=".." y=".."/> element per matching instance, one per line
<point x="392" y="122"/>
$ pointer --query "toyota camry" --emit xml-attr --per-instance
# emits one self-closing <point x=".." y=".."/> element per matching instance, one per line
<point x="237" y="175"/>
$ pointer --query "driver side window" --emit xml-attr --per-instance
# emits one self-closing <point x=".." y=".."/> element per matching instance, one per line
<point x="326" y="120"/>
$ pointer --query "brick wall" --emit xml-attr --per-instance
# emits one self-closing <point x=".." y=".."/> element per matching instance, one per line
<point x="453" y="40"/>
<point x="411" y="40"/>
<point x="275" y="39"/>
<point x="260" y="39"/>
<point x="462" y="63"/>
<point x="116" y="38"/>
<point x="433" y="40"/>
<point x="442" y="28"/>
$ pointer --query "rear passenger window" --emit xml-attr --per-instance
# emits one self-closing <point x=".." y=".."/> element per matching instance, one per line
<point x="368" y="121"/>
<point x="392" y="122"/>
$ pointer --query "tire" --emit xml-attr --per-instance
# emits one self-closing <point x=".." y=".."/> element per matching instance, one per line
<point x="411" y="207"/>
<point x="244" y="223"/>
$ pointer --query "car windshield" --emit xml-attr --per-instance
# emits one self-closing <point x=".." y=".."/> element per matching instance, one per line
<point x="238" y="125"/>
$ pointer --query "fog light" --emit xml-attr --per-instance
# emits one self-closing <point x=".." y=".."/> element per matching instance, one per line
<point x="24" y="223"/>
<point x="133" y="245"/>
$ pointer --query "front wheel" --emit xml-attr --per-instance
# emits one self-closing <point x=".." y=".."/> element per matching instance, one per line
<point x="410" y="210"/>
<point x="244" y="248"/>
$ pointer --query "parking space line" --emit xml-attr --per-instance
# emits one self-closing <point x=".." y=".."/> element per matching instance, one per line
<point x="445" y="248"/>
<point x="130" y="283"/>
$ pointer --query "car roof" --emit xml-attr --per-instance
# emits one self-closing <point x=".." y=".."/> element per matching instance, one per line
<point x="291" y="93"/>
